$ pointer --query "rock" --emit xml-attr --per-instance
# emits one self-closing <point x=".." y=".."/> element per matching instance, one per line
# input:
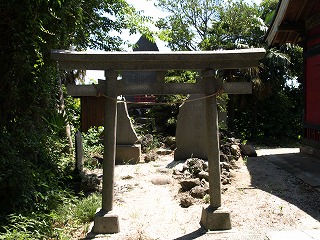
<point x="203" y="175"/>
<point x="163" y="151"/>
<point x="151" y="156"/>
<point x="224" y="166"/>
<point x="186" y="201"/>
<point x="188" y="184"/>
<point x="231" y="158"/>
<point x="224" y="158"/>
<point x="170" y="141"/>
<point x="204" y="184"/>
<point x="179" y="167"/>
<point x="225" y="173"/>
<point x="233" y="164"/>
<point x="248" y="150"/>
<point x="225" y="149"/>
<point x="198" y="192"/>
<point x="90" y="182"/>
<point x="232" y="174"/>
<point x="195" y="165"/>
<point x="225" y="180"/>
<point x="176" y="172"/>
<point x="205" y="166"/>
<point x="187" y="174"/>
<point x="164" y="170"/>
<point x="161" y="180"/>
<point x="235" y="151"/>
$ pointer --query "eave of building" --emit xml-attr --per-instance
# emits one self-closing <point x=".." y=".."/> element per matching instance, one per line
<point x="288" y="25"/>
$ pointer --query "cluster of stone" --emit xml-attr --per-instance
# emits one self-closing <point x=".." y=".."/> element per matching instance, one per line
<point x="91" y="181"/>
<point x="194" y="176"/>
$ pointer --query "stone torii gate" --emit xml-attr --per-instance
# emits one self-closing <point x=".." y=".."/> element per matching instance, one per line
<point x="214" y="216"/>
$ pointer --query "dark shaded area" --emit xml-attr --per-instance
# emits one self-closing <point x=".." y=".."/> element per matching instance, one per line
<point x="302" y="195"/>
<point x="193" y="235"/>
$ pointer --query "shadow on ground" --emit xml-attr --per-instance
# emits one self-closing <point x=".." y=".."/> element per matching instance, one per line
<point x="283" y="179"/>
<point x="193" y="235"/>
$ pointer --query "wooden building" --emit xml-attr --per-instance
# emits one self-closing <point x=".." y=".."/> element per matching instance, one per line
<point x="298" y="22"/>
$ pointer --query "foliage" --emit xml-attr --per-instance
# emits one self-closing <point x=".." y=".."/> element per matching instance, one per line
<point x="57" y="224"/>
<point x="70" y="216"/>
<point x="165" y="114"/>
<point x="278" y="117"/>
<point x="268" y="10"/>
<point x="92" y="145"/>
<point x="188" y="22"/>
<point x="236" y="25"/>
<point x="35" y="162"/>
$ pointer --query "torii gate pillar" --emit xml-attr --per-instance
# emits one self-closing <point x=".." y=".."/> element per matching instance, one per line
<point x="213" y="217"/>
<point x="106" y="221"/>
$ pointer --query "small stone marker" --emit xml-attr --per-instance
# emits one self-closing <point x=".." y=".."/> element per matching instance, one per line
<point x="79" y="151"/>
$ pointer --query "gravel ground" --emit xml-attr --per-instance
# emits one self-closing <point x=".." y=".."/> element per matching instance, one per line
<point x="261" y="198"/>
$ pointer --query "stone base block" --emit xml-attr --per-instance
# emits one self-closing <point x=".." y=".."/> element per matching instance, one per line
<point x="128" y="154"/>
<point x="215" y="218"/>
<point x="105" y="223"/>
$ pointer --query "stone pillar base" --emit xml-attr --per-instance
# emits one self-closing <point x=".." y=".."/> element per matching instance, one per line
<point x="215" y="218"/>
<point x="105" y="223"/>
<point x="128" y="154"/>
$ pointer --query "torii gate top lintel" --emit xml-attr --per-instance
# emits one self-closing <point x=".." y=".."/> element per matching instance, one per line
<point x="153" y="60"/>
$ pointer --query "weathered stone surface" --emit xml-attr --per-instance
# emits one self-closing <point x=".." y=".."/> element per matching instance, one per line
<point x="224" y="158"/>
<point x="90" y="182"/>
<point x="186" y="201"/>
<point x="224" y="166"/>
<point x="126" y="134"/>
<point x="177" y="172"/>
<point x="195" y="165"/>
<point x="191" y="135"/>
<point x="163" y="151"/>
<point x="248" y="150"/>
<point x="79" y="151"/>
<point x="161" y="179"/>
<point x="188" y="184"/>
<point x="128" y="154"/>
<point x="204" y="184"/>
<point x="198" y="192"/>
<point x="105" y="223"/>
<point x="203" y="175"/>
<point x="151" y="156"/>
<point x="215" y="218"/>
<point x="235" y="150"/>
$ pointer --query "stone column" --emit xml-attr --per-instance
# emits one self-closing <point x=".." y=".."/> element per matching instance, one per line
<point x="214" y="217"/>
<point x="105" y="220"/>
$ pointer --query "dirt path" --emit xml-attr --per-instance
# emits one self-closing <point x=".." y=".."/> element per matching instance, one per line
<point x="262" y="198"/>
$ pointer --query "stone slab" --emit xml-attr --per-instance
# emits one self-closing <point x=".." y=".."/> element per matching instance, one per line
<point x="191" y="132"/>
<point x="105" y="223"/>
<point x="215" y="218"/>
<point x="128" y="154"/>
<point x="126" y="134"/>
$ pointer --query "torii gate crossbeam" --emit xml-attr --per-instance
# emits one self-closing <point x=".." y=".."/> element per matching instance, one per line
<point x="214" y="217"/>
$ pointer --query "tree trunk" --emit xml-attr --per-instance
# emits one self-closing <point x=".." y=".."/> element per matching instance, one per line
<point x="61" y="109"/>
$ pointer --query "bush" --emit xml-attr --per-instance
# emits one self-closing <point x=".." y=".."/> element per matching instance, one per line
<point x="92" y="146"/>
